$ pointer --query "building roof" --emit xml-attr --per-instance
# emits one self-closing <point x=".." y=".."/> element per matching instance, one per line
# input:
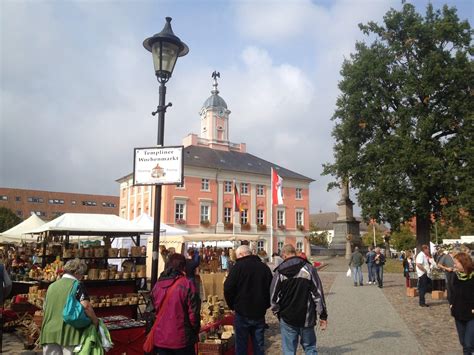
<point x="204" y="157"/>
<point x="324" y="221"/>
<point x="214" y="101"/>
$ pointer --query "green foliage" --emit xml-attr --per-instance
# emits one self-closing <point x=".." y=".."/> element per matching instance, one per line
<point x="8" y="219"/>
<point x="368" y="238"/>
<point x="403" y="239"/>
<point x="320" y="239"/>
<point x="452" y="229"/>
<point x="404" y="119"/>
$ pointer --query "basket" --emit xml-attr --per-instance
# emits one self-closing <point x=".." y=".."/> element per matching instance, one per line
<point x="215" y="349"/>
<point x="113" y="252"/>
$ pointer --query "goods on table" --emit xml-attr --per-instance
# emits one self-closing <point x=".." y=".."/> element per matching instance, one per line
<point x="36" y="296"/>
<point x="212" y="310"/>
<point x="217" y="340"/>
<point x="115" y="300"/>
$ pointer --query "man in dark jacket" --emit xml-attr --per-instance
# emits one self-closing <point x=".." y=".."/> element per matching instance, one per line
<point x="247" y="291"/>
<point x="296" y="296"/>
<point x="356" y="265"/>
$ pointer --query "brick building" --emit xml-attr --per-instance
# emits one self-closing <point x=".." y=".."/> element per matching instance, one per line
<point x="48" y="204"/>
<point x="204" y="203"/>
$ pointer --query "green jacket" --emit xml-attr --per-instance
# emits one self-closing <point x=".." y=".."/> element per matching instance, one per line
<point x="356" y="259"/>
<point x="91" y="343"/>
<point x="53" y="328"/>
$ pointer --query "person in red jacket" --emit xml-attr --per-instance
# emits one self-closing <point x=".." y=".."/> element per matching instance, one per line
<point x="178" y="323"/>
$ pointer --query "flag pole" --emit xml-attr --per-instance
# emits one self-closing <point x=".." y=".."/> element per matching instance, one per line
<point x="233" y="211"/>
<point x="271" y="214"/>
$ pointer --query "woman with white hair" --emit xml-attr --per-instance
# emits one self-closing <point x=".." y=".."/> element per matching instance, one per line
<point x="56" y="336"/>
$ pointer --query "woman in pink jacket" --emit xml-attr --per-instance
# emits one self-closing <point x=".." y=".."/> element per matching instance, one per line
<point x="176" y="332"/>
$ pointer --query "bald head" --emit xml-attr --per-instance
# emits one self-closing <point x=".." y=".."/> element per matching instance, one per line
<point x="242" y="251"/>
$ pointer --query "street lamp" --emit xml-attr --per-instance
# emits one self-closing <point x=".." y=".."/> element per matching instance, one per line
<point x="165" y="47"/>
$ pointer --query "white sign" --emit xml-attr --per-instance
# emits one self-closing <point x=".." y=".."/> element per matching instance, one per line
<point x="158" y="166"/>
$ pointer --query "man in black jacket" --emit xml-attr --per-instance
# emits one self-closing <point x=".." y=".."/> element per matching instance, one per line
<point x="297" y="296"/>
<point x="247" y="291"/>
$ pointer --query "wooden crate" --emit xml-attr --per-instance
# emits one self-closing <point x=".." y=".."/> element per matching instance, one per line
<point x="412" y="292"/>
<point x="215" y="349"/>
<point x="437" y="295"/>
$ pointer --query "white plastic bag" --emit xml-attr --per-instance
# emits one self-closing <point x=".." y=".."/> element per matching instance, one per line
<point x="348" y="273"/>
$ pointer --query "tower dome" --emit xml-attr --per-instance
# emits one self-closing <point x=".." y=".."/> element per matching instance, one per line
<point x="215" y="100"/>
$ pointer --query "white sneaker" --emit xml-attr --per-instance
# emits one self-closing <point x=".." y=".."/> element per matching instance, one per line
<point x="369" y="282"/>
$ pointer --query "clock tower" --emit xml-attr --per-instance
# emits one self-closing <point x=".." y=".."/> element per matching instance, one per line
<point x="215" y="116"/>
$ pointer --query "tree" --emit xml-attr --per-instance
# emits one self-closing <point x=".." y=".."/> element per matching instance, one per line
<point x="368" y="238"/>
<point x="8" y="219"/>
<point x="319" y="238"/>
<point x="403" y="239"/>
<point x="404" y="119"/>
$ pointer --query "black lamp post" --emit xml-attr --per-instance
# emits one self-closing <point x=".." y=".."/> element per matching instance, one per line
<point x="165" y="48"/>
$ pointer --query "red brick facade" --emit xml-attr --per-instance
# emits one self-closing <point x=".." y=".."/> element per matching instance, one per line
<point x="48" y="204"/>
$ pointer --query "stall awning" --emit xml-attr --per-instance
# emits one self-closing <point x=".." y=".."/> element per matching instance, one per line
<point x="17" y="233"/>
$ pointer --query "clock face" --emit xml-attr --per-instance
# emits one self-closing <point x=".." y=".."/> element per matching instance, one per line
<point x="221" y="112"/>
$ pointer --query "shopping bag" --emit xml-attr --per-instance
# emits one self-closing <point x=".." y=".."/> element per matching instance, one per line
<point x="73" y="311"/>
<point x="348" y="273"/>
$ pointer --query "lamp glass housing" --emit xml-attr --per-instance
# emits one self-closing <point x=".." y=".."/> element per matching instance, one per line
<point x="165" y="55"/>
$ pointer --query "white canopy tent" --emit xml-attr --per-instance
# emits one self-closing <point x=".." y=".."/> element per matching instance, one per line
<point x="17" y="233"/>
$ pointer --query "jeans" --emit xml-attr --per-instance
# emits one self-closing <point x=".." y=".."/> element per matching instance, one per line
<point x="422" y="287"/>
<point x="379" y="273"/>
<point x="243" y="328"/>
<point x="466" y="335"/>
<point x="357" y="275"/>
<point x="289" y="339"/>
<point x="371" y="271"/>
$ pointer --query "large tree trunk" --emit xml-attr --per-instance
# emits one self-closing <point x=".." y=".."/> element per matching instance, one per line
<point x="423" y="225"/>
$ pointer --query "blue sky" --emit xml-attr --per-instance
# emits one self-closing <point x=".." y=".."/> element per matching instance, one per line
<point x="77" y="86"/>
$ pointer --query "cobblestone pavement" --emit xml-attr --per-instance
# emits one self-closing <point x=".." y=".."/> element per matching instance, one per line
<point x="433" y="327"/>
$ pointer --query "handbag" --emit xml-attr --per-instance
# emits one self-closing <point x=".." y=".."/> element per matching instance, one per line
<point x="73" y="311"/>
<point x="149" y="344"/>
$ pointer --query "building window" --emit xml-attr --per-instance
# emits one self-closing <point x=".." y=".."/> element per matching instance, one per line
<point x="179" y="212"/>
<point x="205" y="213"/>
<point x="17" y="198"/>
<point x="35" y="199"/>
<point x="227" y="214"/>
<point x="244" y="216"/>
<point x="244" y="188"/>
<point x="89" y="203"/>
<point x="260" y="190"/>
<point x="73" y="202"/>
<point x="260" y="245"/>
<point x="56" y="202"/>
<point x="3" y="198"/>
<point x="19" y="213"/>
<point x="299" y="218"/>
<point x="180" y="186"/>
<point x="280" y="247"/>
<point x="39" y="213"/>
<point x="299" y="193"/>
<point x="205" y="184"/>
<point x="280" y="218"/>
<point x="260" y="219"/>
<point x="228" y="186"/>
<point x="299" y="246"/>
<point x="109" y="204"/>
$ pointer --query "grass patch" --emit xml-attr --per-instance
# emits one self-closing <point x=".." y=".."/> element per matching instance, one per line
<point x="393" y="266"/>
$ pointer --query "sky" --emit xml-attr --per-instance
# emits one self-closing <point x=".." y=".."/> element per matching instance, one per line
<point x="77" y="86"/>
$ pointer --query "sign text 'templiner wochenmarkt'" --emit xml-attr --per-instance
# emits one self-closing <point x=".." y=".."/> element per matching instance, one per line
<point x="158" y="166"/>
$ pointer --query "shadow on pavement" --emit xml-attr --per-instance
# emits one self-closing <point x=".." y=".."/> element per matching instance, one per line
<point x="346" y="348"/>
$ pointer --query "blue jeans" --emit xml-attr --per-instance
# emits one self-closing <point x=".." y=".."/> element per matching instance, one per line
<point x="379" y="273"/>
<point x="371" y="272"/>
<point x="289" y="339"/>
<point x="243" y="328"/>
<point x="466" y="335"/>
<point x="357" y="275"/>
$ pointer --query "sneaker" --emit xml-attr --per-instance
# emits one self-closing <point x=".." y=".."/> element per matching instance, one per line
<point x="361" y="284"/>
<point x="424" y="305"/>
<point x="369" y="282"/>
<point x="355" y="284"/>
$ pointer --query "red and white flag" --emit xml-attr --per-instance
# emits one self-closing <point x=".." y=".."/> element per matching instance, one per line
<point x="277" y="188"/>
<point x="237" y="205"/>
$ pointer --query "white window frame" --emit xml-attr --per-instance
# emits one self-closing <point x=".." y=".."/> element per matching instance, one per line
<point x="228" y="218"/>
<point x="208" y="206"/>
<point x="181" y="186"/>
<point x="299" y="246"/>
<point x="260" y="245"/>
<point x="260" y="190"/>
<point x="299" y="193"/>
<point x="280" y="245"/>
<point x="244" y="188"/>
<point x="260" y="218"/>
<point x="183" y="212"/>
<point x="297" y="212"/>
<point x="280" y="218"/>
<point x="205" y="185"/>
<point x="244" y="215"/>
<point x="228" y="187"/>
